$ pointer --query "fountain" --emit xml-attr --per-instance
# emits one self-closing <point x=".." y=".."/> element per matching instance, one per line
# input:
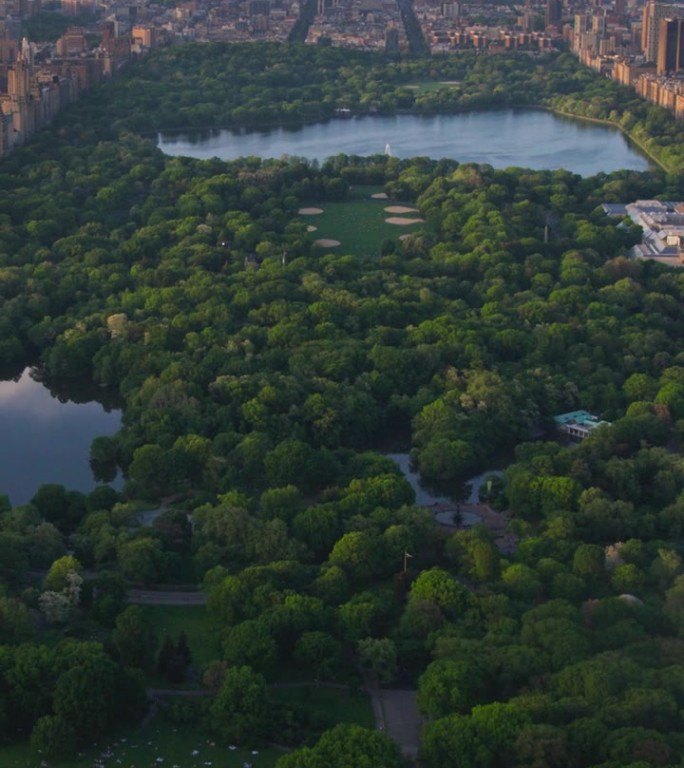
<point x="388" y="150"/>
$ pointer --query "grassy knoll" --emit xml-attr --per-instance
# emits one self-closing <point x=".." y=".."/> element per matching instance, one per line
<point x="173" y="619"/>
<point x="358" y="223"/>
<point x="143" y="746"/>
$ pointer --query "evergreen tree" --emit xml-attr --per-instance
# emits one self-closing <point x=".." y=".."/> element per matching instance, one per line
<point x="183" y="650"/>
<point x="166" y="657"/>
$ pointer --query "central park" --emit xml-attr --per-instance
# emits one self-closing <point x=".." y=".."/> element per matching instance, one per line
<point x="266" y="334"/>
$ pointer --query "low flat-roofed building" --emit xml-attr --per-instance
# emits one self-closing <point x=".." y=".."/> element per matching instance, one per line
<point x="614" y="209"/>
<point x="662" y="224"/>
<point x="578" y="424"/>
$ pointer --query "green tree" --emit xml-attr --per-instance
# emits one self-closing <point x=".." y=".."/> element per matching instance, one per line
<point x="441" y="588"/>
<point x="360" y="617"/>
<point x="240" y="711"/>
<point x="139" y="560"/>
<point x="541" y="744"/>
<point x="346" y="745"/>
<point x="486" y="560"/>
<point x="57" y="505"/>
<point x="379" y="657"/>
<point x="447" y="687"/>
<point x="483" y="739"/>
<point x="174" y="530"/>
<point x="589" y="561"/>
<point x="250" y="643"/>
<point x="16" y="622"/>
<point x="319" y="654"/>
<point x="13" y="559"/>
<point x="44" y="544"/>
<point x="103" y="458"/>
<point x="173" y="660"/>
<point x="85" y="697"/>
<point x="56" y="578"/>
<point x="53" y="737"/>
<point x="358" y="554"/>
<point x="134" y="638"/>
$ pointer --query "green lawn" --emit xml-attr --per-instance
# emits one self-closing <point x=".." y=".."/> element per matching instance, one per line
<point x="173" y="619"/>
<point x="142" y="747"/>
<point x="329" y="705"/>
<point x="359" y="223"/>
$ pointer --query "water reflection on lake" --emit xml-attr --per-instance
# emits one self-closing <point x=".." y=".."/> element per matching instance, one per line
<point x="46" y="436"/>
<point x="502" y="138"/>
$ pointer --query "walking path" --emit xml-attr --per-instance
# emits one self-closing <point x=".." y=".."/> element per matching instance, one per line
<point x="153" y="597"/>
<point x="395" y="711"/>
<point x="402" y="719"/>
<point x="167" y="693"/>
<point x="497" y="522"/>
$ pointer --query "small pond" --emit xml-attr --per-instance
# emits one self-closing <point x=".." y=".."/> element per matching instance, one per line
<point x="46" y="434"/>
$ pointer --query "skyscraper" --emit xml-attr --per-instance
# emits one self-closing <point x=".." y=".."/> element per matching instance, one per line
<point x="654" y="12"/>
<point x="391" y="39"/>
<point x="554" y="13"/>
<point x="670" y="46"/>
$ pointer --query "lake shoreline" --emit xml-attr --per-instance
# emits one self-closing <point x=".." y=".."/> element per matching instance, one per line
<point x="49" y="427"/>
<point x="518" y="139"/>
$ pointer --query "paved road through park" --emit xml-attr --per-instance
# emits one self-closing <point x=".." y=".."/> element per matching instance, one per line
<point x="402" y="720"/>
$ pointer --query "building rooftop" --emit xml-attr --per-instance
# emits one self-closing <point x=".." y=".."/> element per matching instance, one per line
<point x="578" y="424"/>
<point x="662" y="224"/>
<point x="614" y="209"/>
<point x="578" y="417"/>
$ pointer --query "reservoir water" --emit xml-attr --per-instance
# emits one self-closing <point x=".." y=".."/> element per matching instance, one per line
<point x="46" y="437"/>
<point x="523" y="138"/>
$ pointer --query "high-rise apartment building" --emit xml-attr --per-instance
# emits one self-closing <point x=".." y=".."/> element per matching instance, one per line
<point x="670" y="46"/>
<point x="654" y="13"/>
<point x="391" y="39"/>
<point x="554" y="13"/>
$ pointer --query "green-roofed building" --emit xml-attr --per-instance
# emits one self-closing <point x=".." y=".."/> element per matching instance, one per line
<point x="578" y="424"/>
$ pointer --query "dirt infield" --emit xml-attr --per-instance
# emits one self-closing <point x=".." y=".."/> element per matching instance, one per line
<point x="400" y="209"/>
<point x="309" y="211"/>
<point x="380" y="196"/>
<point x="402" y="222"/>
<point x="311" y="228"/>
<point x="326" y="243"/>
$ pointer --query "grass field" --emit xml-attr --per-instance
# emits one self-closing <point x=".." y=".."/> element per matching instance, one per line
<point x="162" y="745"/>
<point x="173" y="619"/>
<point x="358" y="223"/>
<point x="329" y="705"/>
<point x="159" y="745"/>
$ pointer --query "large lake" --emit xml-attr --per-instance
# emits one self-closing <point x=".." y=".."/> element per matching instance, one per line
<point x="46" y="438"/>
<point x="524" y="138"/>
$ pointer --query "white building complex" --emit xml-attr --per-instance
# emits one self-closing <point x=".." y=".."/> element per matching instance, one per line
<point x="663" y="229"/>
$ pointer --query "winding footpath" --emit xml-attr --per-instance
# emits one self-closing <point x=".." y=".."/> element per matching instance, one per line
<point x="170" y="597"/>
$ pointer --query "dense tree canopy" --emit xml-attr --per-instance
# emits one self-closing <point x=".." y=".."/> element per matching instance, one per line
<point x="257" y="371"/>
